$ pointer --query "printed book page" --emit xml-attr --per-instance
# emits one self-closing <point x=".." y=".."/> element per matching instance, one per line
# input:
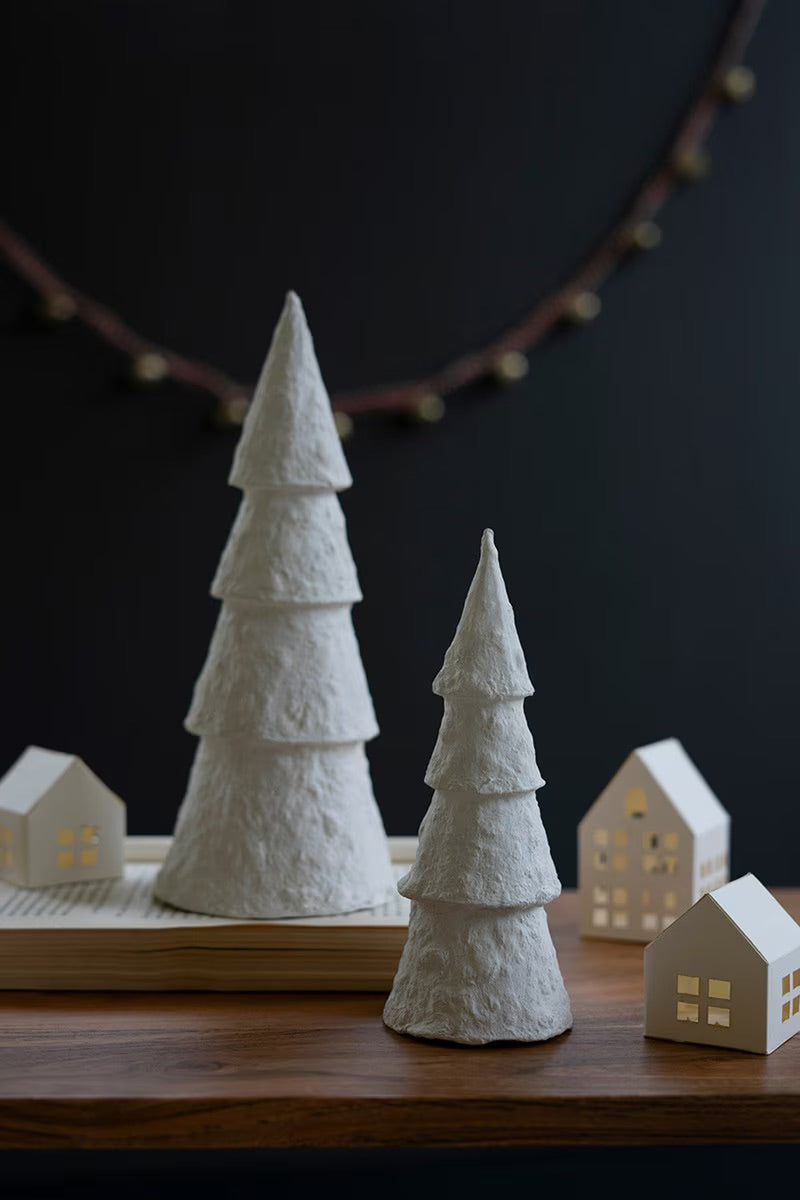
<point x="128" y="903"/>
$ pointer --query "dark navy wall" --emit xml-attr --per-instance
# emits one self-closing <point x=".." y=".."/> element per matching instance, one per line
<point x="420" y="174"/>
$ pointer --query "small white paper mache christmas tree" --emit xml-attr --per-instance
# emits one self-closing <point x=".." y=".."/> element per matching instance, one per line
<point x="479" y="964"/>
<point x="279" y="818"/>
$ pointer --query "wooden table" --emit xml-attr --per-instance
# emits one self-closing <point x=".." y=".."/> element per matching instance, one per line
<point x="245" y="1070"/>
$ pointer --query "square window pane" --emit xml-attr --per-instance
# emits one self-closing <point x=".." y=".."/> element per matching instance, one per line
<point x="600" y="918"/>
<point x="688" y="985"/>
<point x="65" y="837"/>
<point x="719" y="1016"/>
<point x="621" y="838"/>
<point x="620" y="897"/>
<point x="89" y="834"/>
<point x="600" y="895"/>
<point x="88" y="858"/>
<point x="619" y="920"/>
<point x="650" y="864"/>
<point x="620" y="862"/>
<point x="785" y="1012"/>
<point x="600" y="860"/>
<point x="784" y="985"/>
<point x="671" y="901"/>
<point x="670" y="841"/>
<point x="670" y="864"/>
<point x="650" y="922"/>
<point x="795" y="1005"/>
<point x="795" y="979"/>
<point x="8" y="836"/>
<point x="66" y="858"/>
<point x="601" y="837"/>
<point x="650" y="841"/>
<point x="688" y="1012"/>
<point x="719" y="989"/>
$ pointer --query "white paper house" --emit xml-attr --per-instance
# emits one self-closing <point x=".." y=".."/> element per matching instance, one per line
<point x="727" y="973"/>
<point x="58" y="822"/>
<point x="654" y="841"/>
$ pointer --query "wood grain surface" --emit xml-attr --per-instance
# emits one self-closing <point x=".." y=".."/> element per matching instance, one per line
<point x="114" y="1069"/>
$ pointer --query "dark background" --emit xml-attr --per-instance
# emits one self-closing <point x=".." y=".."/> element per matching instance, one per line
<point x="420" y="173"/>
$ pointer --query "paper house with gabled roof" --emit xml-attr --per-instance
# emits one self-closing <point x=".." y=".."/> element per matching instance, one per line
<point x="58" y="822"/>
<point x="726" y="973"/>
<point x="654" y="842"/>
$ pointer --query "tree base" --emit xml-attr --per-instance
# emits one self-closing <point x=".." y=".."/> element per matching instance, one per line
<point x="263" y="834"/>
<point x="474" y="976"/>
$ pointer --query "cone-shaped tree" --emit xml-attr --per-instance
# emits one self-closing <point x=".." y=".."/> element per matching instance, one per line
<point x="479" y="965"/>
<point x="279" y="818"/>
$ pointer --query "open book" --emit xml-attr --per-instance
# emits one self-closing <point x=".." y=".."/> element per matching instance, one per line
<point x="113" y="934"/>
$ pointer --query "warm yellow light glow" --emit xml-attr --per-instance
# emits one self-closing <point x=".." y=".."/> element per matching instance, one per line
<point x="601" y="837"/>
<point x="670" y="841"/>
<point x="785" y="985"/>
<point x="688" y="1012"/>
<point x="719" y="989"/>
<point x="688" y="985"/>
<point x="671" y="901"/>
<point x="635" y="802"/>
<point x="66" y="858"/>
<point x="89" y="833"/>
<point x="65" y="837"/>
<point x="88" y="858"/>
<point x="621" y="838"/>
<point x="620" y="896"/>
<point x="620" y="862"/>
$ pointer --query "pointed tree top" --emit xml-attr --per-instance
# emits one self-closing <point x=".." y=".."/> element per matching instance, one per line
<point x="485" y="658"/>
<point x="289" y="438"/>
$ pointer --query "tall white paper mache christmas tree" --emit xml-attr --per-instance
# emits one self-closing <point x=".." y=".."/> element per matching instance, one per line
<point x="279" y="818"/>
<point x="479" y="965"/>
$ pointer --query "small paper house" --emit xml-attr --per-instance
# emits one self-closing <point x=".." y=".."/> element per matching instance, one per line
<point x="58" y="822"/>
<point x="654" y="841"/>
<point x="726" y="973"/>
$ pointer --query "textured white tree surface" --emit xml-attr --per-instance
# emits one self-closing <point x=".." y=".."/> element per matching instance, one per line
<point x="266" y="830"/>
<point x="288" y="548"/>
<point x="279" y="818"/>
<point x="479" y="965"/>
<point x="475" y="976"/>
<point x="283" y="674"/>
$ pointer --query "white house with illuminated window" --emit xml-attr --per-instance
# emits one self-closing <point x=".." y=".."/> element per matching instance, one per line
<point x="58" y="822"/>
<point x="726" y="973"/>
<point x="655" y="841"/>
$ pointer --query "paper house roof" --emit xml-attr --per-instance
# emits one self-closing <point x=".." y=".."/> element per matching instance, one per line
<point x="757" y="914"/>
<point x="35" y="774"/>
<point x="683" y="785"/>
